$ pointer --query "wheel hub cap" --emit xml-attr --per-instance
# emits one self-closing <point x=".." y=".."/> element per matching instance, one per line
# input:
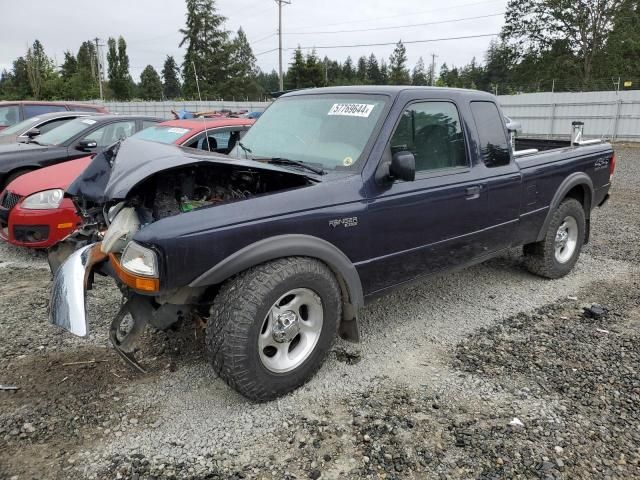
<point x="291" y="330"/>
<point x="566" y="240"/>
<point x="286" y="327"/>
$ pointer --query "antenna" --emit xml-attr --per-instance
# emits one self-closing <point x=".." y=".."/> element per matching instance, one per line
<point x="204" y="120"/>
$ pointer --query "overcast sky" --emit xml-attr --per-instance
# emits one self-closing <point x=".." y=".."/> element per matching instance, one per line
<point x="150" y="27"/>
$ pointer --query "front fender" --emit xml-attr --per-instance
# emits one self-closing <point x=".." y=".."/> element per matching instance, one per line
<point x="294" y="245"/>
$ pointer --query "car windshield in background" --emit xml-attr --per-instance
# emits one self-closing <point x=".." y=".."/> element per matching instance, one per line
<point x="65" y="131"/>
<point x="162" y="133"/>
<point x="326" y="130"/>
<point x="20" y="127"/>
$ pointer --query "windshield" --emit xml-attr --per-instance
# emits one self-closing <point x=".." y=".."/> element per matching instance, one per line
<point x="162" y="133"/>
<point x="327" y="130"/>
<point x="65" y="132"/>
<point x="18" y="128"/>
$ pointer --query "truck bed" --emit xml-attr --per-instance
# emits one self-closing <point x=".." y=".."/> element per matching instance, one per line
<point x="540" y="144"/>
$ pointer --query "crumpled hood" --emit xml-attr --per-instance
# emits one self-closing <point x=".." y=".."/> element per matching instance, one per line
<point x="115" y="171"/>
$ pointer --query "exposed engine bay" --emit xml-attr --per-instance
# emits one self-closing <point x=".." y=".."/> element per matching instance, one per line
<point x="181" y="190"/>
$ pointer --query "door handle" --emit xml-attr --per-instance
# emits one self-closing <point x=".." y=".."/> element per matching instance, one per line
<point x="471" y="193"/>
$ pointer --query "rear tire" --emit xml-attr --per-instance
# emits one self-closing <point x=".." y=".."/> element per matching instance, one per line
<point x="556" y="255"/>
<point x="272" y="326"/>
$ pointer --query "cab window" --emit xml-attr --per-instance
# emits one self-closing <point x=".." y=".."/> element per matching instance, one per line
<point x="432" y="132"/>
<point x="494" y="147"/>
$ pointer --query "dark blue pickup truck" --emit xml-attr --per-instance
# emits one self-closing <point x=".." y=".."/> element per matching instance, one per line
<point x="334" y="196"/>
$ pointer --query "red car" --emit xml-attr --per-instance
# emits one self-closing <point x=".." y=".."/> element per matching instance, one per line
<point x="34" y="212"/>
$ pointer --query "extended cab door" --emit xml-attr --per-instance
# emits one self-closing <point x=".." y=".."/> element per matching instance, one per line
<point x="433" y="222"/>
<point x="500" y="174"/>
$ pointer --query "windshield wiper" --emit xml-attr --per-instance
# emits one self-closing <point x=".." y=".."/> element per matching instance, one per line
<point x="296" y="163"/>
<point x="244" y="147"/>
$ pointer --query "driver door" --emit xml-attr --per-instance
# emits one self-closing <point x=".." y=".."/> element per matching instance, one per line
<point x="433" y="222"/>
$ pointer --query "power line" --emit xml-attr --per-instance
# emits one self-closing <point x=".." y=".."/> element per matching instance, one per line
<point x="453" y="20"/>
<point x="266" y="51"/>
<point x="322" y="47"/>
<point x="263" y="38"/>
<point x="409" y="14"/>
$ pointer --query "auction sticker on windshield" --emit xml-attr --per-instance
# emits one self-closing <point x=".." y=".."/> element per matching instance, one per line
<point x="351" y="109"/>
<point x="180" y="131"/>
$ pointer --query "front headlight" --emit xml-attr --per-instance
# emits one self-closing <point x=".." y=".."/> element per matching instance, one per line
<point x="45" y="200"/>
<point x="139" y="260"/>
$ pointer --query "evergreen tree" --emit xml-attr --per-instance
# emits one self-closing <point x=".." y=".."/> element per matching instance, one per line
<point x="15" y="84"/>
<point x="314" y="71"/>
<point x="384" y="72"/>
<point x="348" y="72"/>
<point x="69" y="66"/>
<point x="118" y="69"/>
<point x="269" y="82"/>
<point x="208" y="48"/>
<point x="373" y="70"/>
<point x="150" y="85"/>
<point x="296" y="74"/>
<point x="171" y="84"/>
<point x="361" y="72"/>
<point x="40" y="68"/>
<point x="399" y="73"/>
<point x="419" y="76"/>
<point x="333" y="72"/>
<point x="242" y="70"/>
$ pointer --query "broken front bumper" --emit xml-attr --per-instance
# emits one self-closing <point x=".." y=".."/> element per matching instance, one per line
<point x="67" y="308"/>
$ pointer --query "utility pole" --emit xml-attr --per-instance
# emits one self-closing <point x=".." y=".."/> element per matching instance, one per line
<point x="99" y="63"/>
<point x="433" y="68"/>
<point x="280" y="2"/>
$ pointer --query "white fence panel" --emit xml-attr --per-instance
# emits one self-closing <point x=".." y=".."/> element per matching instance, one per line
<point x="610" y="115"/>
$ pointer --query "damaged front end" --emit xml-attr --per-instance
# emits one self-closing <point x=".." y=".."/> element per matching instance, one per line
<point x="126" y="188"/>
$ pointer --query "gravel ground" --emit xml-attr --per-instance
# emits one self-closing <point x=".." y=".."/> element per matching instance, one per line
<point x="485" y="373"/>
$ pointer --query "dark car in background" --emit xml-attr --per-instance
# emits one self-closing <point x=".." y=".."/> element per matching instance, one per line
<point x="31" y="127"/>
<point x="74" y="139"/>
<point x="14" y="112"/>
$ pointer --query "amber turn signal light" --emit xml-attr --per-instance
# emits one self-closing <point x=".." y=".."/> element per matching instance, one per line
<point x="145" y="284"/>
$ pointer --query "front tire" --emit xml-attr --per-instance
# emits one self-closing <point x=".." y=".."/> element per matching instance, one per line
<point x="272" y="326"/>
<point x="556" y="255"/>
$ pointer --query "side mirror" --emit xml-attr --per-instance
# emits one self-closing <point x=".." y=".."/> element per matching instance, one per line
<point x="403" y="166"/>
<point x="85" y="145"/>
<point x="34" y="132"/>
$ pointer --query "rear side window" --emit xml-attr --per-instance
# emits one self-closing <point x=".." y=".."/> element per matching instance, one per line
<point x="9" y="115"/>
<point x="33" y="110"/>
<point x="432" y="132"/>
<point x="494" y="146"/>
<point x="45" y="127"/>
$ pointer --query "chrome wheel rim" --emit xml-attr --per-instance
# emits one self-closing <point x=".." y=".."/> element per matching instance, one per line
<point x="566" y="240"/>
<point x="291" y="330"/>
